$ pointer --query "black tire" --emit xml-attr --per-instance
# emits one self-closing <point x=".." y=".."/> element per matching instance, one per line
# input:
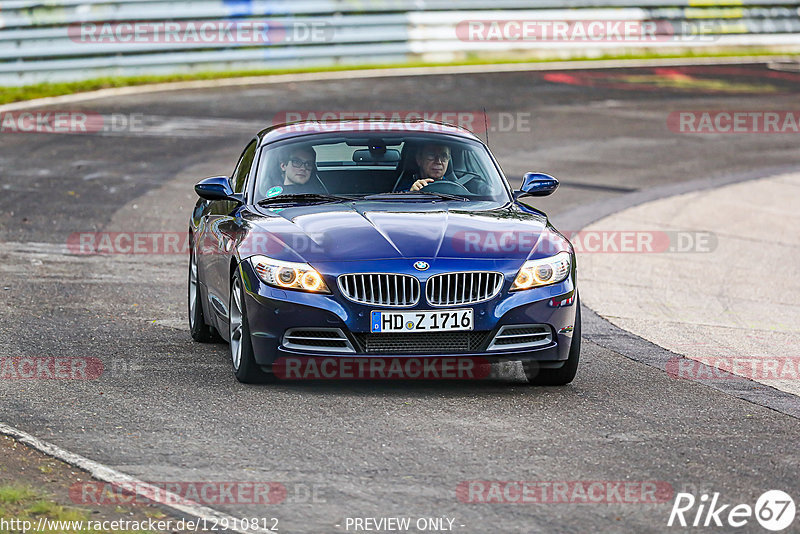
<point x="563" y="375"/>
<point x="197" y="322"/>
<point x="245" y="368"/>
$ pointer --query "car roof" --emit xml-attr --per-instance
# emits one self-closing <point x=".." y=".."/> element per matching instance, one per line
<point x="280" y="132"/>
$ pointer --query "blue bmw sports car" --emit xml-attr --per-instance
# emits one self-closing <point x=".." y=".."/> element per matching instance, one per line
<point x="367" y="242"/>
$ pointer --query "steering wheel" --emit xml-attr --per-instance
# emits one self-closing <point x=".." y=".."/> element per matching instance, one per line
<point x="447" y="187"/>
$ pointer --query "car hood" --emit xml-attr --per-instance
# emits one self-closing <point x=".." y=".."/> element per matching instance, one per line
<point x="363" y="231"/>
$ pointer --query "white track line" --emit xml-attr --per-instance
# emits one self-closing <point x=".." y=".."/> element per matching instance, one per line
<point x="141" y="488"/>
<point x="388" y="73"/>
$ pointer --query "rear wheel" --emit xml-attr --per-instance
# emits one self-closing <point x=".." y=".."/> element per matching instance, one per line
<point x="244" y="363"/>
<point x="197" y="322"/>
<point x="563" y="375"/>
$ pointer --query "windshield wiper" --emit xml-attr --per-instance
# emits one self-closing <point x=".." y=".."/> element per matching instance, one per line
<point x="447" y="196"/>
<point x="303" y="197"/>
<point x="411" y="194"/>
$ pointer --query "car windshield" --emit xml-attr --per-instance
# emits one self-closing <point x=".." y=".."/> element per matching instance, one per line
<point x="353" y="166"/>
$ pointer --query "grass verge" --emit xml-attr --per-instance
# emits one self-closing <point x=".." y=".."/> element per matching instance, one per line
<point x="36" y="487"/>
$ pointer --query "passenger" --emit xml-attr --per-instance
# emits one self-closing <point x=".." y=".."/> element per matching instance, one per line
<point x="295" y="172"/>
<point x="298" y="163"/>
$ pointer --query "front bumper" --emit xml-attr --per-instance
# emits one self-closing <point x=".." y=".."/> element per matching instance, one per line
<point x="271" y="312"/>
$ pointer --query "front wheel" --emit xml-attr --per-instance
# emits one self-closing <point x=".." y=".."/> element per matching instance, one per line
<point x="563" y="375"/>
<point x="197" y="322"/>
<point x="244" y="363"/>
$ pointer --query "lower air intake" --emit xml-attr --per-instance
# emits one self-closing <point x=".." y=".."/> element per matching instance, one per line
<point x="428" y="343"/>
<point x="317" y="339"/>
<point x="522" y="336"/>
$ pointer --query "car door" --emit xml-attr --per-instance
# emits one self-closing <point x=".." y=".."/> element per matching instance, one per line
<point x="221" y="226"/>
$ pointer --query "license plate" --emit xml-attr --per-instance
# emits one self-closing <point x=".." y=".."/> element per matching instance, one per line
<point x="421" y="321"/>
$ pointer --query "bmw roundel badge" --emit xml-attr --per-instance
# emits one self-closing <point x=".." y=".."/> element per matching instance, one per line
<point x="421" y="266"/>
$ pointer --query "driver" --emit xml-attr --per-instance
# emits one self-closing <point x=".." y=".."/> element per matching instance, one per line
<point x="432" y="160"/>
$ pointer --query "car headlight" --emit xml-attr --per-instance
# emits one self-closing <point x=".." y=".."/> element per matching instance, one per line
<point x="543" y="272"/>
<point x="288" y="275"/>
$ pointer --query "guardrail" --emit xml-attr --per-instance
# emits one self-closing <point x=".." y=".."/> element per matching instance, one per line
<point x="78" y="39"/>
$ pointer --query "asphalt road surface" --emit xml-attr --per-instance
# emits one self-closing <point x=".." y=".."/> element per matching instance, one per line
<point x="168" y="409"/>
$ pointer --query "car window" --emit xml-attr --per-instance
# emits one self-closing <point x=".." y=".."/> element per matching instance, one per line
<point x="243" y="167"/>
<point x="334" y="154"/>
<point x="357" y="165"/>
<point x="348" y="155"/>
<point x="471" y="163"/>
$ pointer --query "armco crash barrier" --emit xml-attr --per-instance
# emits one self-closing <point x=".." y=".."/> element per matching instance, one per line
<point x="78" y="39"/>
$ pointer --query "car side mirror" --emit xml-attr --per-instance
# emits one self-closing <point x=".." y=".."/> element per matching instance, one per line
<point x="536" y="184"/>
<point x="217" y="188"/>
